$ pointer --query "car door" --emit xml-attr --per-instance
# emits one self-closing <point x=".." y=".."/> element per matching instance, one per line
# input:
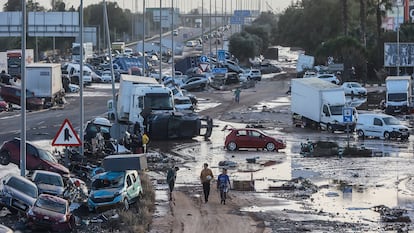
<point x="377" y="127"/>
<point x="242" y="138"/>
<point x="255" y="139"/>
<point x="131" y="190"/>
<point x="33" y="160"/>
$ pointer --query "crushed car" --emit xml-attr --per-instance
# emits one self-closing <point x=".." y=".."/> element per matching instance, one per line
<point x="17" y="193"/>
<point x="51" y="213"/>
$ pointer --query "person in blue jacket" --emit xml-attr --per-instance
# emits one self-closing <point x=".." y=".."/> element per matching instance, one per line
<point x="223" y="184"/>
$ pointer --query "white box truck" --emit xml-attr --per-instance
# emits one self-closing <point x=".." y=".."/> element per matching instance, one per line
<point x="399" y="94"/>
<point x="45" y="80"/>
<point x="319" y="104"/>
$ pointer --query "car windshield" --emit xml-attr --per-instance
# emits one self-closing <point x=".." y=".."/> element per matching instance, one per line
<point x="116" y="182"/>
<point x="22" y="187"/>
<point x="397" y="96"/>
<point x="51" y="205"/>
<point x="48" y="179"/>
<point x="159" y="102"/>
<point x="182" y="101"/>
<point x="336" y="110"/>
<point x="391" y="121"/>
<point x="46" y="155"/>
<point x="355" y="85"/>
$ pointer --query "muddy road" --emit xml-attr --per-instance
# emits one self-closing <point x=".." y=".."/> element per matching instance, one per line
<point x="293" y="193"/>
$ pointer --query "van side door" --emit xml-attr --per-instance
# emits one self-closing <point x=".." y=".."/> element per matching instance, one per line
<point x="377" y="127"/>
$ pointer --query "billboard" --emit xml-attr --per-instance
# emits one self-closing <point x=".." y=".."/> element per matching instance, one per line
<point x="406" y="54"/>
<point x="53" y="24"/>
<point x="10" y="24"/>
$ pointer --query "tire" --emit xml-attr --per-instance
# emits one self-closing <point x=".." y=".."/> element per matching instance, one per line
<point x="352" y="93"/>
<point x="4" y="157"/>
<point x="231" y="146"/>
<point x="387" y="135"/>
<point x="329" y="128"/>
<point x="270" y="146"/>
<point x="361" y="133"/>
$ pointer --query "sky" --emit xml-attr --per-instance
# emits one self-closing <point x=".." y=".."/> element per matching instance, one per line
<point x="184" y="5"/>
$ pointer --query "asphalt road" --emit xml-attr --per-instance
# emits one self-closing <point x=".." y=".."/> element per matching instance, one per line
<point x="44" y="124"/>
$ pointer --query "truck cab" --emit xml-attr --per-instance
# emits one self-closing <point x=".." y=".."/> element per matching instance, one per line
<point x="399" y="94"/>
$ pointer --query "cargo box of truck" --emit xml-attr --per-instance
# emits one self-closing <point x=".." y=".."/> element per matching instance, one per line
<point x="125" y="162"/>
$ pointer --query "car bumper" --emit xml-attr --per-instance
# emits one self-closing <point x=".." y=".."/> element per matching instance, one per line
<point x="101" y="202"/>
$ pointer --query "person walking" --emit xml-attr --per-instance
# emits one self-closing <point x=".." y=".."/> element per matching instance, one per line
<point x="145" y="140"/>
<point x="237" y="95"/>
<point x="171" y="177"/>
<point x="206" y="176"/>
<point x="223" y="184"/>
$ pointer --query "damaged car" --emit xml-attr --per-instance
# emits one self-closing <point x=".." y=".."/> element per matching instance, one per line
<point x="48" y="182"/>
<point x="36" y="158"/>
<point x="112" y="188"/>
<point x="17" y="193"/>
<point x="51" y="213"/>
<point x="252" y="138"/>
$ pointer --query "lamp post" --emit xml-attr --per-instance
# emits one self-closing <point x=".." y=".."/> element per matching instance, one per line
<point x="23" y="94"/>
<point x="398" y="38"/>
<point x="172" y="39"/>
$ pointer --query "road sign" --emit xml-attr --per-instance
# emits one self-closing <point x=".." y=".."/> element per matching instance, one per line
<point x="66" y="136"/>
<point x="204" y="59"/>
<point x="242" y="13"/>
<point x="347" y="114"/>
<point x="237" y="20"/>
<point x="221" y="55"/>
<point x="204" y="66"/>
<point x="219" y="70"/>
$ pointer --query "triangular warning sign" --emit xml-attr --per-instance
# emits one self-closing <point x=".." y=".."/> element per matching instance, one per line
<point x="66" y="136"/>
<point x="204" y="66"/>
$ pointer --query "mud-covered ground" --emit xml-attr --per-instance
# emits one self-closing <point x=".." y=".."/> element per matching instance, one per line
<point x="292" y="193"/>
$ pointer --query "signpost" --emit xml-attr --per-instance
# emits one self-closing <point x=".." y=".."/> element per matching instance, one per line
<point x="204" y="66"/>
<point x="203" y="59"/>
<point x="347" y="115"/>
<point x="66" y="136"/>
<point x="221" y="55"/>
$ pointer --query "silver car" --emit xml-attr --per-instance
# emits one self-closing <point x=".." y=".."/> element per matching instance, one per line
<point x="17" y="193"/>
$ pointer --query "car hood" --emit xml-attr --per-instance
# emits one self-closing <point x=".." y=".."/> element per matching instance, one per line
<point x="44" y="214"/>
<point x="50" y="189"/>
<point x="103" y="193"/>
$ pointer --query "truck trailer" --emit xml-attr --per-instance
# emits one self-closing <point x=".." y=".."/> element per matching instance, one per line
<point x="399" y="94"/>
<point x="45" y="81"/>
<point x="319" y="104"/>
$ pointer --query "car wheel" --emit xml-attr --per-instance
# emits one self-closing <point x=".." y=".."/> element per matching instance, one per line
<point x="387" y="135"/>
<point x="232" y="146"/>
<point x="4" y="157"/>
<point x="360" y="133"/>
<point x="352" y="93"/>
<point x="330" y="128"/>
<point x="126" y="204"/>
<point x="270" y="146"/>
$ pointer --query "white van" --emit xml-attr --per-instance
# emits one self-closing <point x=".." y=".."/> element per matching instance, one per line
<point x="380" y="125"/>
<point x="74" y="69"/>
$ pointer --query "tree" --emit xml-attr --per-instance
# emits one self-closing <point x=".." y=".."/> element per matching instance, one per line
<point x="58" y="5"/>
<point x="363" y="21"/>
<point x="346" y="50"/>
<point x="250" y="43"/>
<point x="345" y="16"/>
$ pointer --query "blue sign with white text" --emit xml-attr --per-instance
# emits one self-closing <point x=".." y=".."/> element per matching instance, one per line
<point x="219" y="70"/>
<point x="347" y="114"/>
<point x="221" y="55"/>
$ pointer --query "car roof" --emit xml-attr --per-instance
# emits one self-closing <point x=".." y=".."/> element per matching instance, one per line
<point x="22" y="179"/>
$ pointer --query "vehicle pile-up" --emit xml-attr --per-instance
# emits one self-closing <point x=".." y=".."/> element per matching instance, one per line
<point x="48" y="196"/>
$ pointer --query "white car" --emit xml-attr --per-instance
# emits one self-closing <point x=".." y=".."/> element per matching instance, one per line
<point x="354" y="88"/>
<point x="183" y="103"/>
<point x="251" y="74"/>
<point x="106" y="76"/>
<point x="74" y="88"/>
<point x="323" y="76"/>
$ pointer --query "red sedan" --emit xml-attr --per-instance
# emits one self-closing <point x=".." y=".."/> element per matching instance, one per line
<point x="252" y="138"/>
<point x="52" y="213"/>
